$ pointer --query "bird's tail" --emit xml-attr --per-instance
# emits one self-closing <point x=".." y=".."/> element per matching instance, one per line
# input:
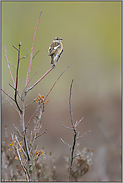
<point x="52" y="61"/>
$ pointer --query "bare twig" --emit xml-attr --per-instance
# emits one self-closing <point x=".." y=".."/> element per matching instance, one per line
<point x="35" y="54"/>
<point x="34" y="74"/>
<point x="26" y="147"/>
<point x="83" y="134"/>
<point x="77" y="123"/>
<point x="70" y="106"/>
<point x="18" y="131"/>
<point x="13" y="106"/>
<point x="31" y="55"/>
<point x="8" y="66"/>
<point x="11" y="131"/>
<point x="13" y="65"/>
<point x="75" y="133"/>
<point x="41" y="134"/>
<point x="66" y="143"/>
<point x="30" y="103"/>
<point x="8" y="95"/>
<point x="20" y="146"/>
<point x="27" y="50"/>
<point x="17" y="79"/>
<point x="24" y="57"/>
<point x="65" y="126"/>
<point x="19" y="157"/>
<point x="14" y="89"/>
<point x="40" y="79"/>
<point x="15" y="48"/>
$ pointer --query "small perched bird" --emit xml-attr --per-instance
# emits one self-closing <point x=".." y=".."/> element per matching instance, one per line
<point x="55" y="49"/>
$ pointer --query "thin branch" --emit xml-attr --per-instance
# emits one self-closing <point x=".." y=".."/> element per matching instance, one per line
<point x="34" y="74"/>
<point x="17" y="79"/>
<point x="31" y="57"/>
<point x="83" y="134"/>
<point x="13" y="65"/>
<point x="40" y="79"/>
<point x="35" y="54"/>
<point x="26" y="147"/>
<point x="64" y="125"/>
<point x="30" y="103"/>
<point x="41" y="134"/>
<point x="20" y="146"/>
<point x="72" y="153"/>
<point x="76" y="155"/>
<point x="15" y="48"/>
<point x="20" y="160"/>
<point x="8" y="66"/>
<point x="75" y="132"/>
<point x="70" y="106"/>
<point x="77" y="123"/>
<point x="8" y="95"/>
<point x="27" y="50"/>
<point x="24" y="57"/>
<point x="13" y="106"/>
<point x="18" y="131"/>
<point x="12" y="131"/>
<point x="66" y="143"/>
<point x="14" y="89"/>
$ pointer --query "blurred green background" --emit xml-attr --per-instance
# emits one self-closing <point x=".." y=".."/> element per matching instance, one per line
<point x="91" y="33"/>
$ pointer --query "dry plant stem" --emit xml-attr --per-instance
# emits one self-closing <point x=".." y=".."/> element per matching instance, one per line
<point x="35" y="54"/>
<point x="17" y="79"/>
<point x="77" y="123"/>
<point x="20" y="146"/>
<point x="65" y="126"/>
<point x="75" y="133"/>
<point x="12" y="131"/>
<point x="65" y="143"/>
<point x="34" y="74"/>
<point x="40" y="79"/>
<point x="83" y="135"/>
<point x="31" y="55"/>
<point x="14" y="89"/>
<point x="12" y="65"/>
<point x="13" y="106"/>
<point x="70" y="106"/>
<point x="8" y="66"/>
<point x="41" y="134"/>
<point x="23" y="126"/>
<point x="18" y="131"/>
<point x="7" y="94"/>
<point x="23" y="106"/>
<point x="30" y="103"/>
<point x="19" y="157"/>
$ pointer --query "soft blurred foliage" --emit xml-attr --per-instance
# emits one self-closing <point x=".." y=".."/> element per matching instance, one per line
<point x="91" y="33"/>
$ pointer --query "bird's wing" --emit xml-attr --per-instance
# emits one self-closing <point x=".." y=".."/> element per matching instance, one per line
<point x="53" y="47"/>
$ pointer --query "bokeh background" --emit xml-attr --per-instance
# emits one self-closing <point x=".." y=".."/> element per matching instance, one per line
<point x="91" y="33"/>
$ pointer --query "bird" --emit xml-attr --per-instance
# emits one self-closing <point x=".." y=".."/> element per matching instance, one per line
<point x="55" y="49"/>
